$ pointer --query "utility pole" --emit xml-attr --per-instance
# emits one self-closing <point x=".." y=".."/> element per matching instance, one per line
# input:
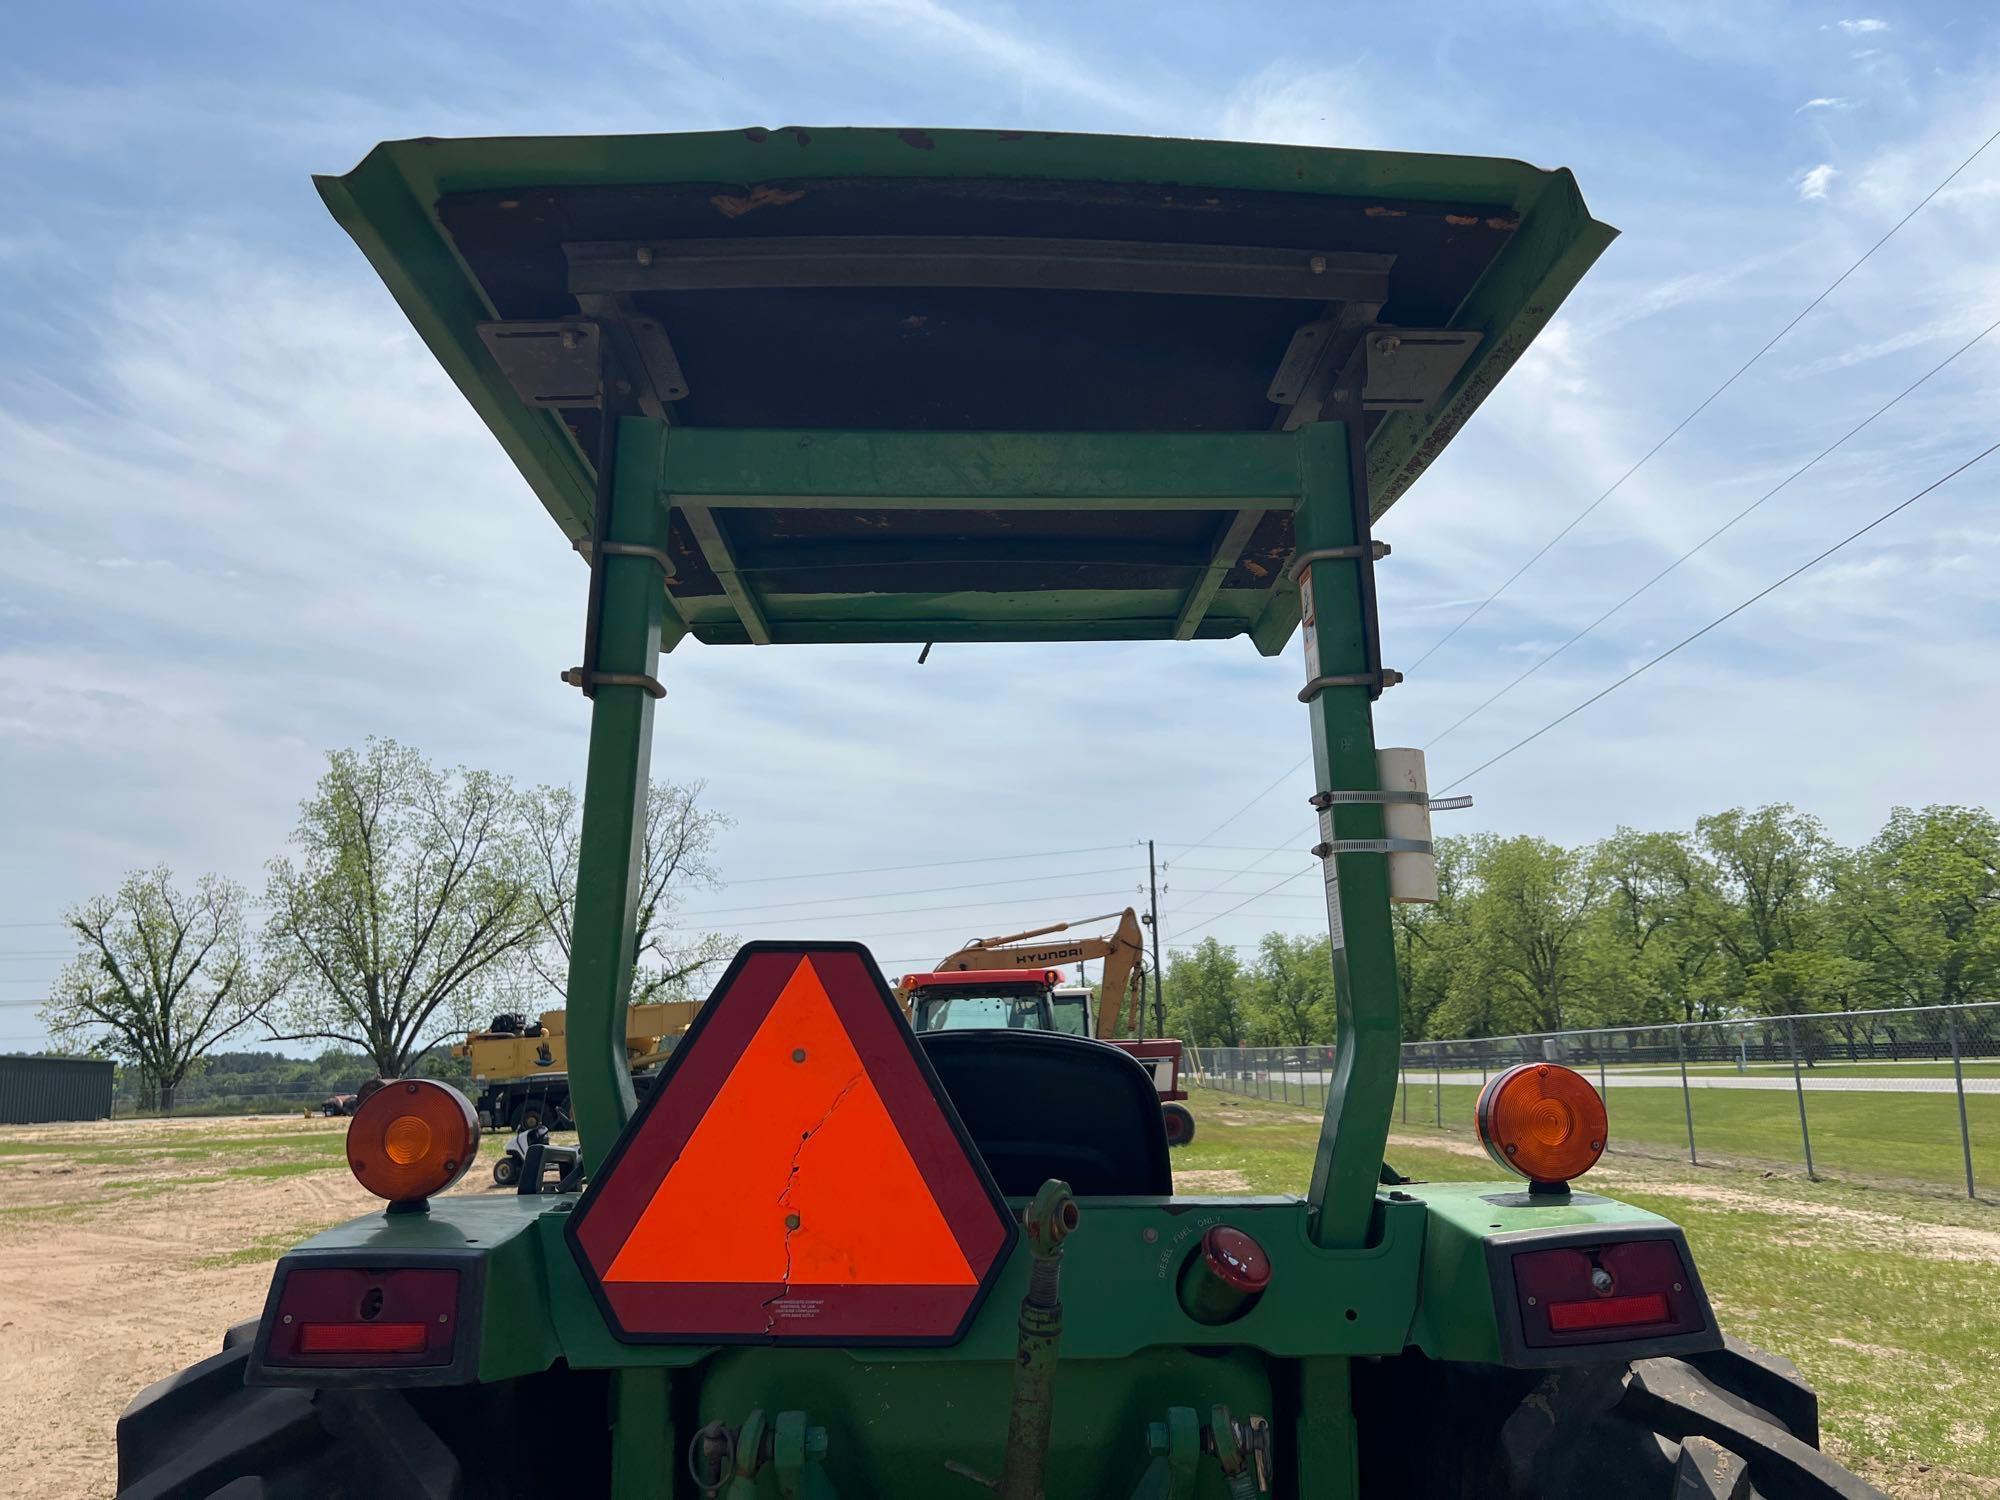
<point x="1153" y="921"/>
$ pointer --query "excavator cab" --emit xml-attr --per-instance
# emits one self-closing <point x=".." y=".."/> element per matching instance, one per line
<point x="1069" y="1009"/>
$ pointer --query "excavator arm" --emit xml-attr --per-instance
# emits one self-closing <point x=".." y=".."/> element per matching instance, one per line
<point x="1121" y="997"/>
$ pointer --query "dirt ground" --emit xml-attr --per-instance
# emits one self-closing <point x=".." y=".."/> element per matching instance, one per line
<point x="126" y="1248"/>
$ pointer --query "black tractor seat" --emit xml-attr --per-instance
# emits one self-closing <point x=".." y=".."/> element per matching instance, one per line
<point x="1041" y="1104"/>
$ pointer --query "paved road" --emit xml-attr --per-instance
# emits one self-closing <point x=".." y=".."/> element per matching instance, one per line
<point x="1831" y="1083"/>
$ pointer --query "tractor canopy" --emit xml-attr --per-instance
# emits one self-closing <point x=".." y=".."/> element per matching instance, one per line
<point x="840" y="283"/>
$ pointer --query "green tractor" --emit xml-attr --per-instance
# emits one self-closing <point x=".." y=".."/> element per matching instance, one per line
<point x="803" y="386"/>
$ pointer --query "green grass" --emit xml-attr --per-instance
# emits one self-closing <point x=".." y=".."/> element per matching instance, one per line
<point x="1821" y="1070"/>
<point x="275" y="1169"/>
<point x="321" y="1146"/>
<point x="1889" y="1302"/>
<point x="1890" y="1139"/>
<point x="265" y="1248"/>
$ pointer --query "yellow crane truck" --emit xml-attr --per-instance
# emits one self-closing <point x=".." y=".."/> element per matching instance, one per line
<point x="520" y="1068"/>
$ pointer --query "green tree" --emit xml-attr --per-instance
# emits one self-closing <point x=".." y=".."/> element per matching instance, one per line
<point x="675" y="856"/>
<point x="1768" y="880"/>
<point x="1922" y="905"/>
<point x="1525" y="937"/>
<point x="160" y="977"/>
<point x="407" y="906"/>
<point x="1430" y="937"/>
<point x="1204" y="993"/>
<point x="1291" y="991"/>
<point x="1655" y="954"/>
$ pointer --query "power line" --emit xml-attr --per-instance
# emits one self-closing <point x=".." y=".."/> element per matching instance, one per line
<point x="939" y="864"/>
<point x="1706" y="402"/>
<point x="1725" y="526"/>
<point x="1200" y="842"/>
<point x="1180" y="908"/>
<point x="1227" y="911"/>
<point x="1218" y="870"/>
<point x="911" y="911"/>
<point x="977" y="885"/>
<point x="1688" y="640"/>
<point x="876" y="937"/>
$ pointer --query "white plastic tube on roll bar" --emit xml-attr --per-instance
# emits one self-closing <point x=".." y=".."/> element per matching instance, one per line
<point x="1413" y="878"/>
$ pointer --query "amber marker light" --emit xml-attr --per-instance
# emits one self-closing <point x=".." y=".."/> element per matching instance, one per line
<point x="412" y="1138"/>
<point x="1542" y="1121"/>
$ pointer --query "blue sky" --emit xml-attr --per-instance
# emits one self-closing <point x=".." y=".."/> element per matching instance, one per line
<point x="243" y="519"/>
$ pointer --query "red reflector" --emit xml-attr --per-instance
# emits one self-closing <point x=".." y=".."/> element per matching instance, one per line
<point x="1610" y="1312"/>
<point x="362" y="1338"/>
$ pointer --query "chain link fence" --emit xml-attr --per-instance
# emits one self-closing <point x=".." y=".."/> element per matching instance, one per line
<point x="1898" y="1097"/>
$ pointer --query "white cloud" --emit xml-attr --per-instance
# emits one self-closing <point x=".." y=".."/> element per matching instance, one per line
<point x="981" y="44"/>
<point x="1814" y="181"/>
<point x="1824" y="102"/>
<point x="1310" y="106"/>
<point x="1862" y="26"/>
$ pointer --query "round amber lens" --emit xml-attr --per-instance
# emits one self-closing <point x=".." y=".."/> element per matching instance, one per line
<point x="412" y="1138"/>
<point x="1550" y="1121"/>
<point x="1543" y="1121"/>
<point x="407" y="1140"/>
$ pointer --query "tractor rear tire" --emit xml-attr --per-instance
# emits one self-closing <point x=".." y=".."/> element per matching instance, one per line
<point x="1179" y="1122"/>
<point x="203" y="1433"/>
<point x="1733" y="1424"/>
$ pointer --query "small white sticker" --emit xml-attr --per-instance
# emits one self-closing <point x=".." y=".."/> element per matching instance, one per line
<point x="1306" y="626"/>
<point x="1330" y="873"/>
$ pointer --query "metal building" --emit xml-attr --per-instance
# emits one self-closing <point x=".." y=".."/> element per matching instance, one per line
<point x="42" y="1090"/>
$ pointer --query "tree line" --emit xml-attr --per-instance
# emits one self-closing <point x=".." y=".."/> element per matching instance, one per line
<point x="412" y="902"/>
<point x="1750" y="912"/>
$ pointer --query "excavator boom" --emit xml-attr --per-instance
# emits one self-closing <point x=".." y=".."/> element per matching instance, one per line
<point x="1121" y="995"/>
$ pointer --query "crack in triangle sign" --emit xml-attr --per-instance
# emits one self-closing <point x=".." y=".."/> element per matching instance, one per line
<point x="796" y="1176"/>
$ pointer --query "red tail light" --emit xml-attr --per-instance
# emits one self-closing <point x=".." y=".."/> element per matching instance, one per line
<point x="1610" y="1312"/>
<point x="352" y="1317"/>
<point x="363" y="1338"/>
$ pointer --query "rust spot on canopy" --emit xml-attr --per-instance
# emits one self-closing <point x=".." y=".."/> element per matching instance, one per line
<point x="917" y="139"/>
<point x="1462" y="220"/>
<point x="1382" y="211"/>
<point x="761" y="196"/>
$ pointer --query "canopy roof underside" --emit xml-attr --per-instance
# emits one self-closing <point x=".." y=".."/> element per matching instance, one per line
<point x="965" y="282"/>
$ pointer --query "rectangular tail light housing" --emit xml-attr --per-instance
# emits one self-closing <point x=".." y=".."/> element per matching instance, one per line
<point x="356" y="1317"/>
<point x="1611" y="1292"/>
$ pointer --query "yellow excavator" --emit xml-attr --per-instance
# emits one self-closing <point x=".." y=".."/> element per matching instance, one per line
<point x="1036" y="999"/>
<point x="1120" y="1005"/>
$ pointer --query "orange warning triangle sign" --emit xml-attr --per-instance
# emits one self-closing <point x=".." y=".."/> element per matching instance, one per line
<point x="795" y="1174"/>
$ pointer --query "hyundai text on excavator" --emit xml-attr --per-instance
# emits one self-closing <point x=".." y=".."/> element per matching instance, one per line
<point x="1033" y="996"/>
<point x="804" y="386"/>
